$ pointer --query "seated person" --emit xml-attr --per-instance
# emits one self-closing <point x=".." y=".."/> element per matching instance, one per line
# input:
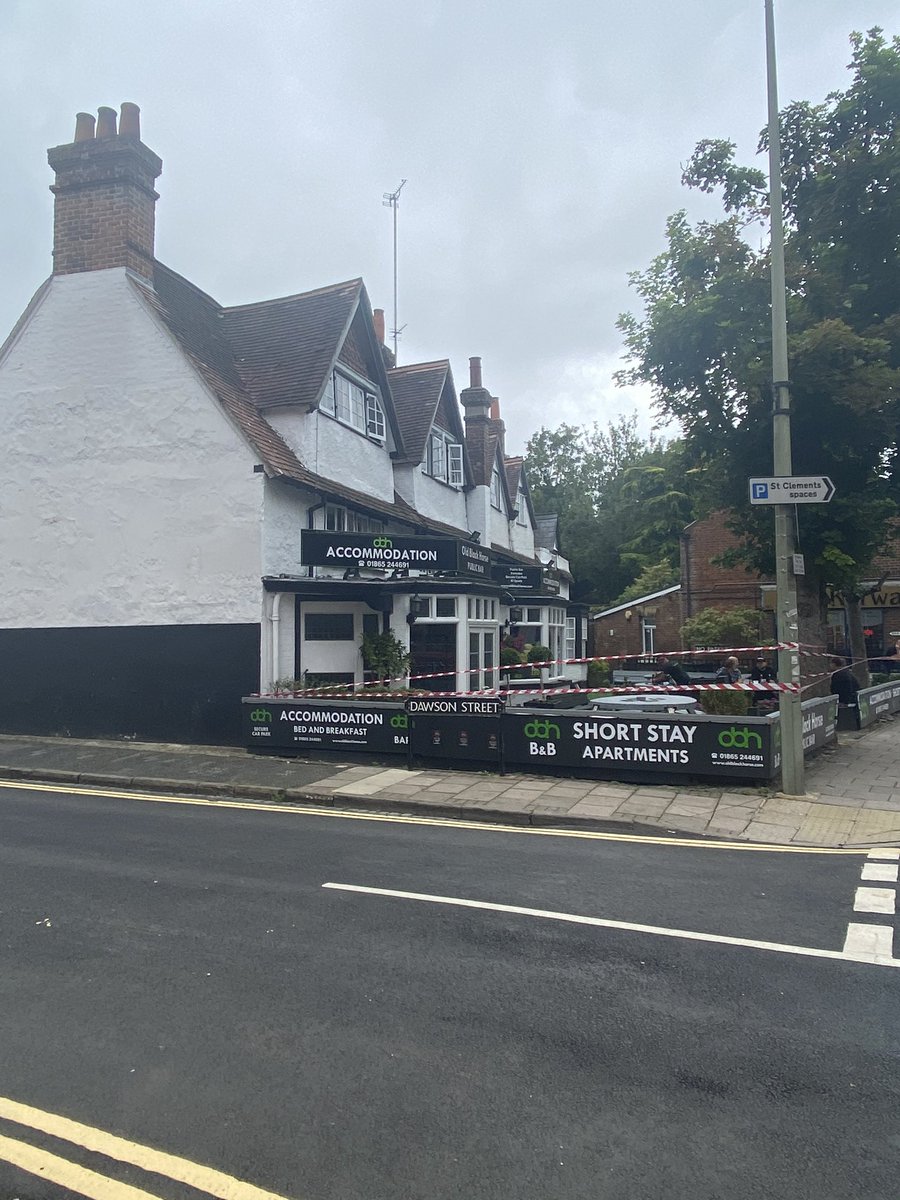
<point x="729" y="672"/>
<point x="843" y="682"/>
<point x="765" y="702"/>
<point x="762" y="672"/>
<point x="671" y="672"/>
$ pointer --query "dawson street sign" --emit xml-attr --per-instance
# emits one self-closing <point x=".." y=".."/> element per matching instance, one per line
<point x="791" y="489"/>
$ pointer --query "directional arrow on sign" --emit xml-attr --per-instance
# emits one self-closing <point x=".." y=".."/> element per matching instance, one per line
<point x="791" y="489"/>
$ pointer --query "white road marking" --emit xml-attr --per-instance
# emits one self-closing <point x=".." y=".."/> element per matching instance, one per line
<point x="883" y="872"/>
<point x="195" y="1175"/>
<point x="872" y="942"/>
<point x="886" y="852"/>
<point x="878" y="957"/>
<point x="875" y="900"/>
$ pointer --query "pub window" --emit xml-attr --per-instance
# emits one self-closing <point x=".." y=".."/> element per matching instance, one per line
<point x="374" y="417"/>
<point x="328" y="627"/>
<point x="570" y="636"/>
<point x="446" y="606"/>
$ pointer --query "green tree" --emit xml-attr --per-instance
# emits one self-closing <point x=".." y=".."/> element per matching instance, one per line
<point x="621" y="501"/>
<point x="726" y="627"/>
<point x="703" y="342"/>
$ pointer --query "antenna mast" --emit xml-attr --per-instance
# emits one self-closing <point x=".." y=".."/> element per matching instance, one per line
<point x="392" y="200"/>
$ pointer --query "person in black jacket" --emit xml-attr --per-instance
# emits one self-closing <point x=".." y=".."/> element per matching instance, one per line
<point x="671" y="672"/>
<point x="843" y="682"/>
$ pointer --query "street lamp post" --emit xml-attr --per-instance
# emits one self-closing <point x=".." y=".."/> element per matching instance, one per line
<point x="785" y="584"/>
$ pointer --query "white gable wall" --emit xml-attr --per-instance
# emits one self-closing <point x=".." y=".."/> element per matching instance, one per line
<point x="127" y="497"/>
<point x="432" y="498"/>
<point x="329" y="448"/>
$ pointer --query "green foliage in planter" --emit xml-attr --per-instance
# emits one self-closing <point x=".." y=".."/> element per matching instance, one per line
<point x="598" y="673"/>
<point x="538" y="653"/>
<point x="510" y="656"/>
<point x="384" y="655"/>
<point x="725" y="704"/>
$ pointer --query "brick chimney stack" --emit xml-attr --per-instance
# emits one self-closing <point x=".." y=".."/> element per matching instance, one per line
<point x="105" y="208"/>
<point x="498" y="425"/>
<point x="476" y="402"/>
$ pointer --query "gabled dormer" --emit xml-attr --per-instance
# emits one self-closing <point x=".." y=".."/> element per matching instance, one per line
<point x="316" y="352"/>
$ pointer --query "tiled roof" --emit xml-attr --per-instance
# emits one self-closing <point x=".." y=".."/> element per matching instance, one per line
<point x="283" y="349"/>
<point x="417" y="391"/>
<point x="193" y="318"/>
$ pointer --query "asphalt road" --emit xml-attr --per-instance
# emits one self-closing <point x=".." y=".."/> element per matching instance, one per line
<point x="179" y="976"/>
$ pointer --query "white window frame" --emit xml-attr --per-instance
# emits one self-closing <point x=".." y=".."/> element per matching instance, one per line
<point x="354" y="403"/>
<point x="338" y="519"/>
<point x="375" y="426"/>
<point x="521" y="509"/>
<point x="456" y="475"/>
<point x="571" y="636"/>
<point x="496" y="501"/>
<point x="444" y="457"/>
<point x="648" y="636"/>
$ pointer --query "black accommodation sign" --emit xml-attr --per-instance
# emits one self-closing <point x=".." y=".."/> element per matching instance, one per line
<point x="324" y="724"/>
<point x="377" y="551"/>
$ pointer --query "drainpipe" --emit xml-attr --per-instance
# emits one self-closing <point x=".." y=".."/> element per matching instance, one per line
<point x="276" y="633"/>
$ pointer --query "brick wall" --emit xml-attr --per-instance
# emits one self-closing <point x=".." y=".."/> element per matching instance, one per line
<point x="105" y="205"/>
<point x="707" y="585"/>
<point x="622" y="632"/>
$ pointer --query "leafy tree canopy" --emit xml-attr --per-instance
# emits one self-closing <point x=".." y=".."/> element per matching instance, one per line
<point x="621" y="501"/>
<point x="703" y="342"/>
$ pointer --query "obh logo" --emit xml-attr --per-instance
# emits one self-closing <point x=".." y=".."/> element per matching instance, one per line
<point x="400" y="721"/>
<point x="541" y="734"/>
<point x="382" y="543"/>
<point x="740" y="739"/>
<point x="542" y="729"/>
<point x="260" y="714"/>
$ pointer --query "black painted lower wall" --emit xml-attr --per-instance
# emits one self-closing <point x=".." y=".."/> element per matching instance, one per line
<point x="160" y="683"/>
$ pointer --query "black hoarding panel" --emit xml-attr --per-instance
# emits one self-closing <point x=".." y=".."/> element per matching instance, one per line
<point x="514" y="576"/>
<point x="878" y="702"/>
<point x="617" y="745"/>
<point x="461" y="728"/>
<point x="474" y="560"/>
<point x="325" y="725"/>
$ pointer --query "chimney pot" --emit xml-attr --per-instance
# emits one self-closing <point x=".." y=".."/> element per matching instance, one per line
<point x="130" y="121"/>
<point x="495" y="409"/>
<point x="378" y="320"/>
<point x="475" y="372"/>
<point x="106" y="122"/>
<point x="84" y="127"/>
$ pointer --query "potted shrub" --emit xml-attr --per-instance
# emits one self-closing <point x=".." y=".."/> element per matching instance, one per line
<point x="385" y="657"/>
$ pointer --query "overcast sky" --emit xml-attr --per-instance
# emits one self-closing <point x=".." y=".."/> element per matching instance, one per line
<point x="542" y="144"/>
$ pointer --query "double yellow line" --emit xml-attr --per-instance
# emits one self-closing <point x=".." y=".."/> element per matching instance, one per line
<point x="58" y="1170"/>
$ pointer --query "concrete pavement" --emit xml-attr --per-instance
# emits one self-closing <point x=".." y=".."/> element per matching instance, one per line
<point x="853" y="789"/>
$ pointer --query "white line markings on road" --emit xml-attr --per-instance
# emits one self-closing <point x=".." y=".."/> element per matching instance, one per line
<point x="870" y="941"/>
<point x="75" y="1178"/>
<point x="875" y="900"/>
<point x="858" y="952"/>
<point x="875" y="940"/>
<point x="883" y="872"/>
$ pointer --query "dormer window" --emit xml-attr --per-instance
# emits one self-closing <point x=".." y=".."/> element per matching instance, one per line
<point x="495" y="489"/>
<point x="521" y="504"/>
<point x="353" y="404"/>
<point x="444" y="458"/>
<point x="374" y="417"/>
